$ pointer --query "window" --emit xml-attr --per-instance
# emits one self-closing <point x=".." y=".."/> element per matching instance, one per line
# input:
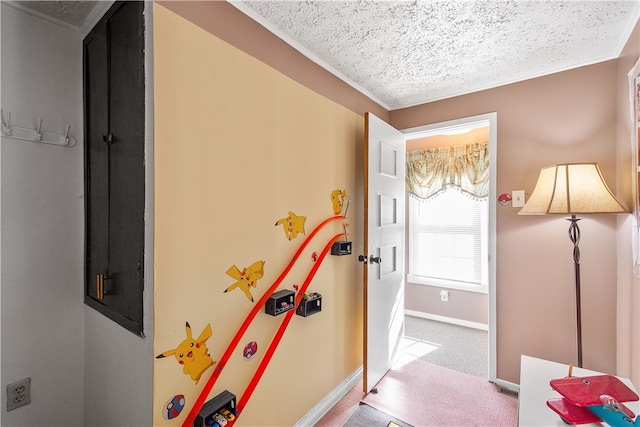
<point x="448" y="240"/>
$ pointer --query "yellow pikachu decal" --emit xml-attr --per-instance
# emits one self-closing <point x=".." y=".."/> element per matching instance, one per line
<point x="337" y="200"/>
<point x="292" y="225"/>
<point x="193" y="354"/>
<point x="247" y="278"/>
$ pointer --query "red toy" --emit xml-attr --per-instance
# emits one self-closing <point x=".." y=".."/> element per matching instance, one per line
<point x="593" y="399"/>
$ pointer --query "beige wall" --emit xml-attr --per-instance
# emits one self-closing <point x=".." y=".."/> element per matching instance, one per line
<point x="229" y="24"/>
<point x="565" y="117"/>
<point x="628" y="301"/>
<point x="569" y="116"/>
<point x="474" y="135"/>
<point x="238" y="145"/>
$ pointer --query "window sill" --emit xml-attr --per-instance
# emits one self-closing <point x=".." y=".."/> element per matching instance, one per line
<point x="447" y="284"/>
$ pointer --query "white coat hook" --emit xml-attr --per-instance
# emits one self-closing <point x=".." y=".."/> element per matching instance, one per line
<point x="39" y="131"/>
<point x="6" y="127"/>
<point x="36" y="134"/>
<point x="66" y="134"/>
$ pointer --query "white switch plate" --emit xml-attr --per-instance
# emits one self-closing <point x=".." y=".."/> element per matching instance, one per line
<point x="517" y="197"/>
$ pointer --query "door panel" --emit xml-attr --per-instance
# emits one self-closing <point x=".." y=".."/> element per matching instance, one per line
<point x="389" y="255"/>
<point x="96" y="156"/>
<point x="126" y="228"/>
<point x="114" y="164"/>
<point x="384" y="239"/>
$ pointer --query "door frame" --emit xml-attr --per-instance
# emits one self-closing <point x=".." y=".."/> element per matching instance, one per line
<point x="491" y="120"/>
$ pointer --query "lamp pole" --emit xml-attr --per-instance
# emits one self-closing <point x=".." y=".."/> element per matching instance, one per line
<point x="574" y="235"/>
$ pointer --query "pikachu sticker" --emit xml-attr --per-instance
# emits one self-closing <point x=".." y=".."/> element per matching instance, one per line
<point x="292" y="225"/>
<point x="193" y="354"/>
<point x="337" y="200"/>
<point x="247" y="278"/>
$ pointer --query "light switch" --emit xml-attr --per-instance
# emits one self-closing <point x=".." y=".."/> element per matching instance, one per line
<point x="517" y="197"/>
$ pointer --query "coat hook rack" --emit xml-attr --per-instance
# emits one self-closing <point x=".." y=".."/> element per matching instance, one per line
<point x="36" y="135"/>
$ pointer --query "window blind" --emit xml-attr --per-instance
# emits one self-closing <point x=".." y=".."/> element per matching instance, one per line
<point x="447" y="238"/>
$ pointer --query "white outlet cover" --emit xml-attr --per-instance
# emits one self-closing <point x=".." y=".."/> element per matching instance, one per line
<point x="517" y="198"/>
<point x="18" y="394"/>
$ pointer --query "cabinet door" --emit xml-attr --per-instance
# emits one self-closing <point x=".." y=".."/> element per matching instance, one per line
<point x="114" y="73"/>
<point x="96" y="94"/>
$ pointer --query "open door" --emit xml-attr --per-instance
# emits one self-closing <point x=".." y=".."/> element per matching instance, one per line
<point x="384" y="235"/>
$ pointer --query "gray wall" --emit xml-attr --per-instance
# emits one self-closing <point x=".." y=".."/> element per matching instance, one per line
<point x="85" y="369"/>
<point x="42" y="223"/>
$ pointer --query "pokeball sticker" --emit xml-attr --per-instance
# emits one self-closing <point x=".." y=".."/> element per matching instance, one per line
<point x="504" y="199"/>
<point x="173" y="407"/>
<point x="250" y="350"/>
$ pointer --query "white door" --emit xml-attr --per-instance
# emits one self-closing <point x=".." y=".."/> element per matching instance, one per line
<point x="384" y="236"/>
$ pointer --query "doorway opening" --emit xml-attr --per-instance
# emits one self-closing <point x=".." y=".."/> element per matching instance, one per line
<point x="450" y="261"/>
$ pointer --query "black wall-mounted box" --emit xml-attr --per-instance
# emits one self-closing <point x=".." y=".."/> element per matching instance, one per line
<point x="280" y="302"/>
<point x="341" y="248"/>
<point x="225" y="400"/>
<point x="310" y="306"/>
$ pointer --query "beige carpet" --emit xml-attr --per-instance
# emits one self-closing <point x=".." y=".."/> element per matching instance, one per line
<point x="452" y="346"/>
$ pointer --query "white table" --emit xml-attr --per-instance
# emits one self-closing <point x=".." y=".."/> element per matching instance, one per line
<point x="535" y="375"/>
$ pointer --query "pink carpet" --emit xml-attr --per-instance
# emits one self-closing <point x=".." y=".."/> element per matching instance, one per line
<point x="423" y="394"/>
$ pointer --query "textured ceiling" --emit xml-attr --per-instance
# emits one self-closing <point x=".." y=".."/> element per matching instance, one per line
<point x="403" y="53"/>
<point x="72" y="13"/>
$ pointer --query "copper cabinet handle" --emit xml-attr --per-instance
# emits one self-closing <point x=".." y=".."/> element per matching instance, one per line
<point x="100" y="290"/>
<point x="100" y="286"/>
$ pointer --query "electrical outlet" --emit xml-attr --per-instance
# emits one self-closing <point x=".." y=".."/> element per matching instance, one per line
<point x="518" y="198"/>
<point x="444" y="296"/>
<point x="18" y="394"/>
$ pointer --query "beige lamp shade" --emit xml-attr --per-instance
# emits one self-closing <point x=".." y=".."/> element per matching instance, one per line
<point x="572" y="188"/>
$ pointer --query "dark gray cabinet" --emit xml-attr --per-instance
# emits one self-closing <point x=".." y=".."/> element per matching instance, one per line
<point x="113" y="55"/>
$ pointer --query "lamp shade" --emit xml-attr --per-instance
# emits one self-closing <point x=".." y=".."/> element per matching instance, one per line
<point x="571" y="188"/>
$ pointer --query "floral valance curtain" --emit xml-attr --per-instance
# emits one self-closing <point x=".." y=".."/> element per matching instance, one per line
<point x="432" y="170"/>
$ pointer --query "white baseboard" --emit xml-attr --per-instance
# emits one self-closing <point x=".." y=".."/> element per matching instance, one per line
<point x="330" y="400"/>
<point x="445" y="319"/>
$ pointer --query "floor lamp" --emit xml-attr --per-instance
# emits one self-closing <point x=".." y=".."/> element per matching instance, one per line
<point x="572" y="189"/>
